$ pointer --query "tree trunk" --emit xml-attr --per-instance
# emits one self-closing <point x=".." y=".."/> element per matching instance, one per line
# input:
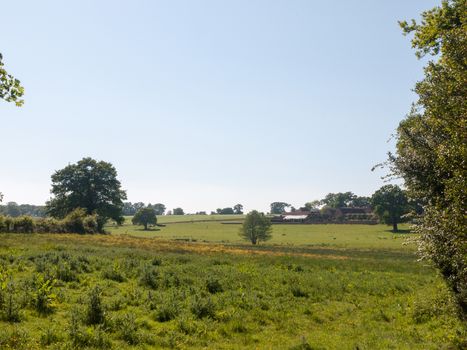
<point x="145" y="227"/>
<point x="394" y="227"/>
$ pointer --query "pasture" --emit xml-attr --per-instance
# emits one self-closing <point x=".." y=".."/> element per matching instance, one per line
<point x="196" y="285"/>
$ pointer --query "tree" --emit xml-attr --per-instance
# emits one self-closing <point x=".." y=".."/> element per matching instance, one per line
<point x="278" y="207"/>
<point x="178" y="211"/>
<point x="256" y="227"/>
<point x="226" y="211"/>
<point x="238" y="209"/>
<point x="1" y="197"/>
<point x="431" y="142"/>
<point x="338" y="200"/>
<point x="90" y="185"/>
<point x="10" y="87"/>
<point x="145" y="217"/>
<point x="12" y="209"/>
<point x="312" y="205"/>
<point x="159" y="208"/>
<point x="390" y="204"/>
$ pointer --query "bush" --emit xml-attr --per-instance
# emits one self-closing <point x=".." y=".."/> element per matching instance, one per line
<point x="23" y="224"/>
<point x="44" y="298"/>
<point x="73" y="222"/>
<point x="149" y="277"/>
<point x="167" y="311"/>
<point x="128" y="329"/>
<point x="114" y="273"/>
<point x="95" y="311"/>
<point x="203" y="307"/>
<point x="213" y="286"/>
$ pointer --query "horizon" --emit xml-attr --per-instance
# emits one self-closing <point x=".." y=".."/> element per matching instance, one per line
<point x="203" y="106"/>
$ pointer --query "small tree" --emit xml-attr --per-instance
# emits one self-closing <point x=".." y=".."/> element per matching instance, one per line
<point x="256" y="227"/>
<point x="238" y="209"/>
<point x="390" y="204"/>
<point x="177" y="211"/>
<point x="145" y="217"/>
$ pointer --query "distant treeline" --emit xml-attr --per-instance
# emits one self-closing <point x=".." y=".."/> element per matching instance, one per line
<point x="14" y="210"/>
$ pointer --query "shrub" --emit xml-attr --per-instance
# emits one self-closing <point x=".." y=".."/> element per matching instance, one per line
<point x="23" y="224"/>
<point x="50" y="336"/>
<point x="128" y="329"/>
<point x="298" y="292"/>
<point x="44" y="298"/>
<point x="203" y="307"/>
<point x="73" y="222"/>
<point x="94" y="310"/>
<point x="213" y="286"/>
<point x="167" y="311"/>
<point x="114" y="273"/>
<point x="149" y="276"/>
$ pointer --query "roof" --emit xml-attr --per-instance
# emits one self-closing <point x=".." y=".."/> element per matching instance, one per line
<point x="294" y="217"/>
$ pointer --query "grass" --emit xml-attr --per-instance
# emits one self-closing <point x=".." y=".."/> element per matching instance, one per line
<point x="332" y="235"/>
<point x="311" y="287"/>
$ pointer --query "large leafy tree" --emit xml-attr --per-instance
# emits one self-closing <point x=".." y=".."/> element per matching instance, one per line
<point x="432" y="141"/>
<point x="88" y="184"/>
<point x="145" y="217"/>
<point x="278" y="207"/>
<point x="256" y="227"/>
<point x="390" y="204"/>
<point x="10" y="87"/>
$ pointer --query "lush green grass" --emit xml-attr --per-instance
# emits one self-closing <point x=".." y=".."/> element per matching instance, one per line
<point x="163" y="219"/>
<point x="353" y="236"/>
<point x="159" y="293"/>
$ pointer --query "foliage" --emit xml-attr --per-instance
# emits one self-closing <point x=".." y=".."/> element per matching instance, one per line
<point x="90" y="185"/>
<point x="95" y="313"/>
<point x="390" y="204"/>
<point x="283" y="296"/>
<point x="431" y="142"/>
<point x="145" y="217"/>
<point x="225" y="211"/>
<point x="178" y="211"/>
<point x="44" y="297"/>
<point x="256" y="227"/>
<point x="278" y="207"/>
<point x="10" y="87"/>
<point x="238" y="209"/>
<point x="13" y="209"/>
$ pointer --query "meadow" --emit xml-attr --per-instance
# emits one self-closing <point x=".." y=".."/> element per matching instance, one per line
<point x="197" y="285"/>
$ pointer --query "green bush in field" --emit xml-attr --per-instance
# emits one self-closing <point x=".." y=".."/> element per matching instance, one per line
<point x="95" y="313"/>
<point x="23" y="224"/>
<point x="44" y="297"/>
<point x="114" y="273"/>
<point x="203" y="307"/>
<point x="149" y="276"/>
<point x="128" y="329"/>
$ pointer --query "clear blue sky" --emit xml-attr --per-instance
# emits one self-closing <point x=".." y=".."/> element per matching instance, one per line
<point x="205" y="104"/>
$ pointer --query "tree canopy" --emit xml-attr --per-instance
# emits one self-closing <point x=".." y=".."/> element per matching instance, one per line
<point x="145" y="217"/>
<point x="278" y="207"/>
<point x="390" y="204"/>
<point x="88" y="184"/>
<point x="256" y="227"/>
<point x="10" y="87"/>
<point x="431" y="141"/>
<point x="177" y="211"/>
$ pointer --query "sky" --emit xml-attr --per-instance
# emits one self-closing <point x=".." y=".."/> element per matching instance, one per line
<point x="205" y="104"/>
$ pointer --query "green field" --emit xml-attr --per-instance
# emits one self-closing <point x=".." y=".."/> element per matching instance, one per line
<point x="332" y="235"/>
<point x="196" y="285"/>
